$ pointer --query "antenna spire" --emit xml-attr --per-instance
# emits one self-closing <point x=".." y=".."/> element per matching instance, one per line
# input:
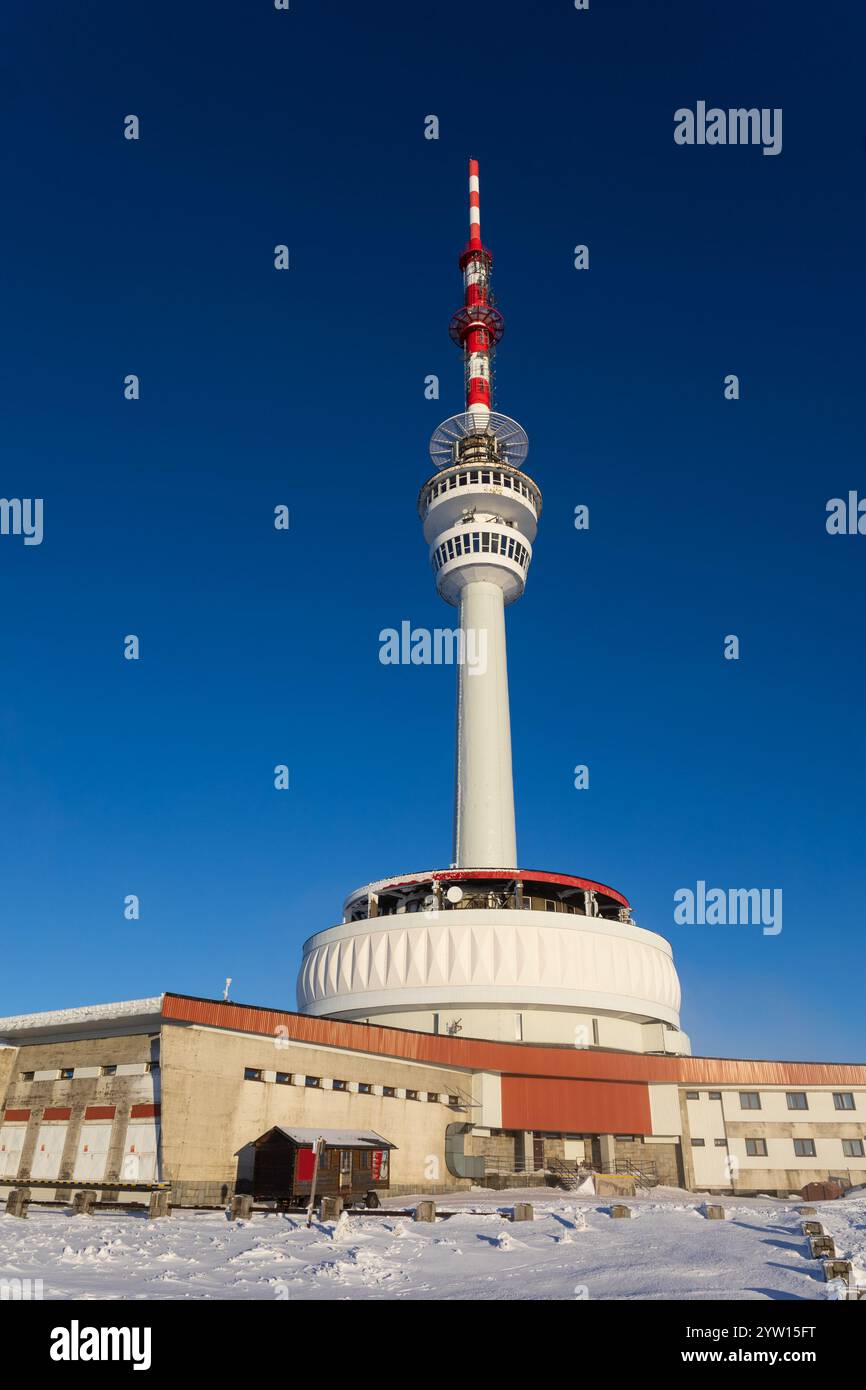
<point x="477" y="326"/>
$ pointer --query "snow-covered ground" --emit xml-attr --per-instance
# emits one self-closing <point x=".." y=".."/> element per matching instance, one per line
<point x="573" y="1249"/>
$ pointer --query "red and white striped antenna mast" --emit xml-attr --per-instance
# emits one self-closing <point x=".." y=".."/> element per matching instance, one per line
<point x="476" y="328"/>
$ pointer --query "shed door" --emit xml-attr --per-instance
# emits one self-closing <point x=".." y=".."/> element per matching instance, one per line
<point x="345" y="1167"/>
<point x="92" y="1156"/>
<point x="140" y="1152"/>
<point x="49" y="1151"/>
<point x="11" y="1144"/>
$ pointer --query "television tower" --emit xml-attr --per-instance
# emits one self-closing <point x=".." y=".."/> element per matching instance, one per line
<point x="480" y="513"/>
<point x="487" y="947"/>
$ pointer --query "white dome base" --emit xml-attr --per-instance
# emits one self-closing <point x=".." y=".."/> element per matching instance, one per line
<point x="482" y="968"/>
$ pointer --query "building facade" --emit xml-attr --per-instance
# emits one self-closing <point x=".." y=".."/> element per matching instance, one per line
<point x="177" y="1089"/>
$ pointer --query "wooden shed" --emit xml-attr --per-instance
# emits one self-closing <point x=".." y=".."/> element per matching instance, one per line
<point x="351" y="1163"/>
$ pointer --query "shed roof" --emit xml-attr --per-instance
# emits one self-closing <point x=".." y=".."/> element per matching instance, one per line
<point x="335" y="1138"/>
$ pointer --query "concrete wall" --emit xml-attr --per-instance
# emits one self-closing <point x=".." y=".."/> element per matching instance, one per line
<point x="540" y="1025"/>
<point x="664" y="1156"/>
<point x="211" y="1113"/>
<point x="54" y="1148"/>
<point x="8" y="1068"/>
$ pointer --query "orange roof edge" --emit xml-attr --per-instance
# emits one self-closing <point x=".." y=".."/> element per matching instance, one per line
<point x="515" y="1059"/>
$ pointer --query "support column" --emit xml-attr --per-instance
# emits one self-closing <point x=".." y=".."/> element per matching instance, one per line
<point x="607" y="1145"/>
<point x="484" y="830"/>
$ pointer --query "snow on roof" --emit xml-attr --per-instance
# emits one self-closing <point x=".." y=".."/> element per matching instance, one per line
<point x="86" y="1013"/>
<point x="337" y="1138"/>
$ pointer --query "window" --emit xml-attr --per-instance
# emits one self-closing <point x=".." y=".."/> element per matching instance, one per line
<point x="453" y="1100"/>
<point x="804" y="1148"/>
<point x="252" y="1074"/>
<point x="345" y="1161"/>
<point x="843" y="1100"/>
<point x="699" y="1143"/>
<point x="284" y="1078"/>
<point x="110" y="1070"/>
<point x="389" y="1091"/>
<point x="66" y="1073"/>
<point x="720" y="1143"/>
<point x="852" y="1148"/>
<point x="796" y="1100"/>
<point x="312" y="1080"/>
<point x="756" y="1148"/>
<point x="411" y="1095"/>
<point x="433" y="1096"/>
<point x="693" y="1095"/>
<point x="750" y="1100"/>
<point x="27" y="1076"/>
<point x="365" y="1088"/>
<point x="339" y="1085"/>
<point x="364" y="1159"/>
<point x="714" y="1095"/>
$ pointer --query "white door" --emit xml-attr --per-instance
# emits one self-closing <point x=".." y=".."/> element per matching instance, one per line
<point x="11" y="1144"/>
<point x="140" y="1152"/>
<point x="92" y="1153"/>
<point x="711" y="1165"/>
<point x="49" y="1151"/>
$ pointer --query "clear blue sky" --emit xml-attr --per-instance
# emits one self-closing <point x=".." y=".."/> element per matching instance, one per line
<point x="306" y="388"/>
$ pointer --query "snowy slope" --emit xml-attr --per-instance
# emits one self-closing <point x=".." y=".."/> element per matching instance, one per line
<point x="574" y="1249"/>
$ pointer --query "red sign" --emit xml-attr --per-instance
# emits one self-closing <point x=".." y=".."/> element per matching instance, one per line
<point x="306" y="1163"/>
<point x="380" y="1165"/>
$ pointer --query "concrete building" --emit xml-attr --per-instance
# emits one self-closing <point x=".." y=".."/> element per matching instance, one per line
<point x="177" y="1089"/>
<point x="493" y="1022"/>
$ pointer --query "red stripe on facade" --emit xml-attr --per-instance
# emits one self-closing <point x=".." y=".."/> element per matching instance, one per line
<point x="543" y="1102"/>
<point x="144" y="1112"/>
<point x="56" y="1112"/>
<point x="100" y="1112"/>
<point x="517" y="1059"/>
<point x="13" y="1116"/>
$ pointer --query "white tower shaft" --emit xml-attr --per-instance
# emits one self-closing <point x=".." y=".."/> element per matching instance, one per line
<point x="484" y="828"/>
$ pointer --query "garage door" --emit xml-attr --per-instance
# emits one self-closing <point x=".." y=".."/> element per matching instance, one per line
<point x="11" y="1144"/>
<point x="92" y="1156"/>
<point x="140" y="1152"/>
<point x="49" y="1151"/>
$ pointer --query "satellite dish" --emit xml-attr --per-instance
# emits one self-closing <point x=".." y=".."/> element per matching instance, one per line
<point x="454" y="894"/>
